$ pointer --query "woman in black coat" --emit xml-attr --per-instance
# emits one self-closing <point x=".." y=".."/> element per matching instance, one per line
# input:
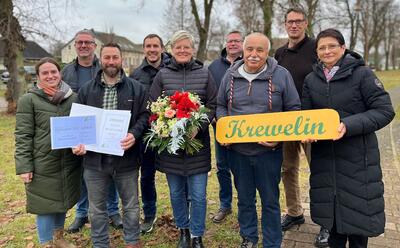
<point x="346" y="178"/>
<point x="184" y="73"/>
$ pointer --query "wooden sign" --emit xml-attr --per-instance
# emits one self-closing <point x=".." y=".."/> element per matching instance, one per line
<point x="317" y="124"/>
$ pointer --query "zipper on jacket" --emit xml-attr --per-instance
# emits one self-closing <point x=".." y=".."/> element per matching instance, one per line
<point x="184" y="78"/>
<point x="328" y="95"/>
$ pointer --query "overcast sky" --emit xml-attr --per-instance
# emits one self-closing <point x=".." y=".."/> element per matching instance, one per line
<point x="125" y="17"/>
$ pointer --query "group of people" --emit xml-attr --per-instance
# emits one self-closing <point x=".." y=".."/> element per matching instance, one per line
<point x="346" y="189"/>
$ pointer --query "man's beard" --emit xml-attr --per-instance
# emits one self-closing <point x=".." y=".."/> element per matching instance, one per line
<point x="112" y="71"/>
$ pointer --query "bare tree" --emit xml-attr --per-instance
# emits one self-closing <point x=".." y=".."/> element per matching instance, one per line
<point x="372" y="22"/>
<point x="391" y="34"/>
<point x="250" y="18"/>
<point x="14" y="43"/>
<point x="203" y="26"/>
<point x="18" y="20"/>
<point x="268" y="14"/>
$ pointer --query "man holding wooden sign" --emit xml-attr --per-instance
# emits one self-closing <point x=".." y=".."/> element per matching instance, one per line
<point x="257" y="85"/>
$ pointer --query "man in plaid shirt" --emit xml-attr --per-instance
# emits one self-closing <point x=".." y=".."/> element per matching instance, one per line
<point x="111" y="89"/>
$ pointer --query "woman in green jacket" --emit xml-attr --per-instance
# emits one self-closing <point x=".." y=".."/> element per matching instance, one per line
<point x="51" y="177"/>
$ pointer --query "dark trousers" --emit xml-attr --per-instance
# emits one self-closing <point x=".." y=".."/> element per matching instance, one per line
<point x="337" y="240"/>
<point x="260" y="173"/>
<point x="147" y="183"/>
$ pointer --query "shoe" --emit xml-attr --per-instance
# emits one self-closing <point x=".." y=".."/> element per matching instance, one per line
<point x="137" y="245"/>
<point x="48" y="244"/>
<point x="59" y="241"/>
<point x="321" y="240"/>
<point x="197" y="242"/>
<point x="77" y="225"/>
<point x="221" y="215"/>
<point x="148" y="224"/>
<point x="184" y="239"/>
<point x="247" y="244"/>
<point x="115" y="221"/>
<point x="289" y="221"/>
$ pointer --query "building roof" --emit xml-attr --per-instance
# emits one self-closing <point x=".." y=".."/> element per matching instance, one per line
<point x="32" y="50"/>
<point x="125" y="43"/>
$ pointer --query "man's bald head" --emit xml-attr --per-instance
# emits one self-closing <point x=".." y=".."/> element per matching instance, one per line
<point x="259" y="36"/>
<point x="255" y="52"/>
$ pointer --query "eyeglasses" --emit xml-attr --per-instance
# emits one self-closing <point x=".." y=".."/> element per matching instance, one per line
<point x="297" y="22"/>
<point x="86" y="42"/>
<point x="330" y="47"/>
<point x="233" y="41"/>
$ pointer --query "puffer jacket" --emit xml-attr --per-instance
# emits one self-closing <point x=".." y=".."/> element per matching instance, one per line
<point x="145" y="73"/>
<point x="346" y="177"/>
<point x="192" y="77"/>
<point x="56" y="178"/>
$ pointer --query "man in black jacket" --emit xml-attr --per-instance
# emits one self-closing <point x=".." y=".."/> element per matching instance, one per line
<point x="80" y="71"/>
<point x="154" y="60"/>
<point x="231" y="53"/>
<point x="298" y="56"/>
<point x="111" y="89"/>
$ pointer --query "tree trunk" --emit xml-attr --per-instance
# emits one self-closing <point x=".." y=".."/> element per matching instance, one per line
<point x="202" y="28"/>
<point x="266" y="6"/>
<point x="14" y="43"/>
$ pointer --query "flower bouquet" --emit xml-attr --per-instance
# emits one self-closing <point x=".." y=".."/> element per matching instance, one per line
<point x="174" y="120"/>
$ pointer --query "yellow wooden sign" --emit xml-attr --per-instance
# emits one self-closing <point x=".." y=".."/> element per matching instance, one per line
<point x="317" y="124"/>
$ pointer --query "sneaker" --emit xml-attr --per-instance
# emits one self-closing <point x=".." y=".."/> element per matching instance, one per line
<point x="77" y="225"/>
<point x="289" y="221"/>
<point x="116" y="222"/>
<point x="247" y="244"/>
<point x="221" y="215"/>
<point x="148" y="224"/>
<point x="321" y="240"/>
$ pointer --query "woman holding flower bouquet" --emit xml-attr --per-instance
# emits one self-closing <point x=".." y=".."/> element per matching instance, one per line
<point x="183" y="96"/>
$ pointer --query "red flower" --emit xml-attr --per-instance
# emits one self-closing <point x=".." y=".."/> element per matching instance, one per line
<point x="152" y="118"/>
<point x="182" y="114"/>
<point x="183" y="105"/>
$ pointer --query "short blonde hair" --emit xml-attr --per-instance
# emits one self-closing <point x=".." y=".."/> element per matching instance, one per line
<point x="181" y="35"/>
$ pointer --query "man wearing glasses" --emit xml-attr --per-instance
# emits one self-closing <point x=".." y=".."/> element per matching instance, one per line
<point x="231" y="53"/>
<point x="83" y="69"/>
<point x="298" y="56"/>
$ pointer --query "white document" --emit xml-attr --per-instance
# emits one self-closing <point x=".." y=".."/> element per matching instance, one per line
<point x="111" y="127"/>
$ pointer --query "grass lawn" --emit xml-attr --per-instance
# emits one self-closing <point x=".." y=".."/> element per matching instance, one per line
<point x="390" y="79"/>
<point x="17" y="228"/>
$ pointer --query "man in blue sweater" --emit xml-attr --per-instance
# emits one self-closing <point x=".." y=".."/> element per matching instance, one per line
<point x="255" y="85"/>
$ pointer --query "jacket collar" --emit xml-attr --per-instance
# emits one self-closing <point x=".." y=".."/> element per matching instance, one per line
<point x="193" y="64"/>
<point x="96" y="62"/>
<point x="298" y="45"/>
<point x="271" y="66"/>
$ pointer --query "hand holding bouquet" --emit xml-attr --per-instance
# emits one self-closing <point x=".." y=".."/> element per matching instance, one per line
<point x="174" y="121"/>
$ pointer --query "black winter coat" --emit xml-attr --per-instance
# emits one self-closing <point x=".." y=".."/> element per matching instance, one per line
<point x="192" y="77"/>
<point x="145" y="73"/>
<point x="131" y="96"/>
<point x="346" y="178"/>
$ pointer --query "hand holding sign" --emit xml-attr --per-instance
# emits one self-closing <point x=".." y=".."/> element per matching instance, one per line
<point x="282" y="126"/>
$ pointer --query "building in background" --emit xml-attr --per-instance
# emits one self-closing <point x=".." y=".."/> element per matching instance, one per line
<point x="132" y="53"/>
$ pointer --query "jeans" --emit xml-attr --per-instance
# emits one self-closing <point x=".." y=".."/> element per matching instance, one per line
<point x="197" y="185"/>
<point x="147" y="183"/>
<point x="258" y="173"/>
<point x="224" y="176"/>
<point x="83" y="203"/>
<point x="47" y="223"/>
<point x="98" y="183"/>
